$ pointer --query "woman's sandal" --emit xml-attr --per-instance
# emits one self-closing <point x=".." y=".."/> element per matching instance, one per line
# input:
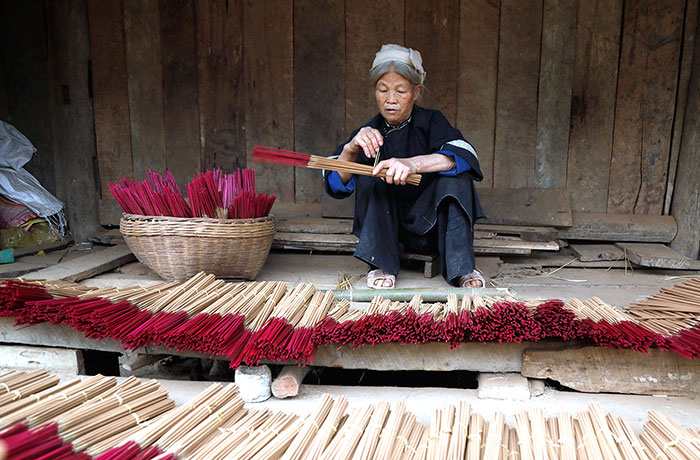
<point x="466" y="280"/>
<point x="385" y="280"/>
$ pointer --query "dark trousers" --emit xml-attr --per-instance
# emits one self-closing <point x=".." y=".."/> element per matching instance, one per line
<point x="380" y="224"/>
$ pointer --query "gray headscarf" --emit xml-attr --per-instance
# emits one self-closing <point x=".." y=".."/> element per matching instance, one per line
<point x="398" y="53"/>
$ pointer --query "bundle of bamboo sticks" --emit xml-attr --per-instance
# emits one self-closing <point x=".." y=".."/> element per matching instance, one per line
<point x="113" y="422"/>
<point x="268" y="320"/>
<point x="42" y="418"/>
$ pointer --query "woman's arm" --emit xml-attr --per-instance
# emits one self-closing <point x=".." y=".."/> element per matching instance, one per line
<point x="398" y="169"/>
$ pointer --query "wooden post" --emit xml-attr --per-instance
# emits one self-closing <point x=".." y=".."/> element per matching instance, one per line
<point x="288" y="382"/>
<point x="685" y="205"/>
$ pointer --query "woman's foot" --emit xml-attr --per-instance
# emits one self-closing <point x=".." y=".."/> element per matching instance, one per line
<point x="472" y="280"/>
<point x="379" y="279"/>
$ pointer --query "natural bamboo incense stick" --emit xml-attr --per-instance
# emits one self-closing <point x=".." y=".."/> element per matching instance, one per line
<point x="286" y="157"/>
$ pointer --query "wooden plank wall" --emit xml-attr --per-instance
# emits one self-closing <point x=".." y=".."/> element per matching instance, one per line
<point x="582" y="95"/>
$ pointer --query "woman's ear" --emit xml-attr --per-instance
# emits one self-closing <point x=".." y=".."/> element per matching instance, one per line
<point x="417" y="91"/>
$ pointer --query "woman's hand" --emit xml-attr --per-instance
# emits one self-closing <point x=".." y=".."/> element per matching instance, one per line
<point x="367" y="140"/>
<point x="397" y="170"/>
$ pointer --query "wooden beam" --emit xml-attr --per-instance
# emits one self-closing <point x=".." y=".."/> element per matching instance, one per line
<point x="86" y="266"/>
<point x="597" y="370"/>
<point x="347" y="243"/>
<point x="686" y="194"/>
<point x="549" y="207"/>
<point x="620" y="227"/>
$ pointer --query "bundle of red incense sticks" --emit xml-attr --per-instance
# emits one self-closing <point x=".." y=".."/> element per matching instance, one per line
<point x="210" y="194"/>
<point x="304" y="160"/>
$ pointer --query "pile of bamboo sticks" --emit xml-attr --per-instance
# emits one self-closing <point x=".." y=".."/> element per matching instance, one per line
<point x="270" y="320"/>
<point x="90" y="415"/>
<point x="107" y="421"/>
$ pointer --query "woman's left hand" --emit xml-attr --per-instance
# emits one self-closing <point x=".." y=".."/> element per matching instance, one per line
<point x="397" y="170"/>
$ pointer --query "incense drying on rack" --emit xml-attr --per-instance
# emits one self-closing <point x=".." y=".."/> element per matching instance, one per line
<point x="304" y="160"/>
<point x="211" y="194"/>
<point x="99" y="419"/>
<point x="268" y="320"/>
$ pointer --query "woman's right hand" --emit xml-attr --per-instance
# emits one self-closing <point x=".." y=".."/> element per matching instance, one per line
<point x="367" y="140"/>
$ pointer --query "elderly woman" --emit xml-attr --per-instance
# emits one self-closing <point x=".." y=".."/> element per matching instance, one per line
<point x="392" y="217"/>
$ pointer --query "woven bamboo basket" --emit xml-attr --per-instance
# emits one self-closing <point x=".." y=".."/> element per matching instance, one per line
<point x="177" y="248"/>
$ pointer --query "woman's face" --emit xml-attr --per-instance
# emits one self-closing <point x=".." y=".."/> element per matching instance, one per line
<point x="395" y="97"/>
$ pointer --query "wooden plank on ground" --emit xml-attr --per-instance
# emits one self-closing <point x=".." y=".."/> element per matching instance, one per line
<point x="596" y="252"/>
<point x="559" y="260"/>
<point x="268" y="68"/>
<point x="180" y="88"/>
<point x="686" y="194"/>
<point x="86" y="266"/>
<point x="47" y="247"/>
<point x="550" y="207"/>
<point x="348" y="242"/>
<point x="431" y="28"/>
<point x="315" y="241"/>
<point x="646" y="97"/>
<point x="144" y="70"/>
<point x="690" y="23"/>
<point x="525" y="232"/>
<point x="313" y="225"/>
<point x="516" y="97"/>
<point x="319" y="87"/>
<point x="23" y="33"/>
<point x="477" y="78"/>
<point x="72" y="120"/>
<point x="344" y="226"/>
<point x="655" y="255"/>
<point x="606" y="370"/>
<point x="554" y="104"/>
<point x="110" y="91"/>
<point x="620" y="227"/>
<point x="221" y="83"/>
<point x="593" y="103"/>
